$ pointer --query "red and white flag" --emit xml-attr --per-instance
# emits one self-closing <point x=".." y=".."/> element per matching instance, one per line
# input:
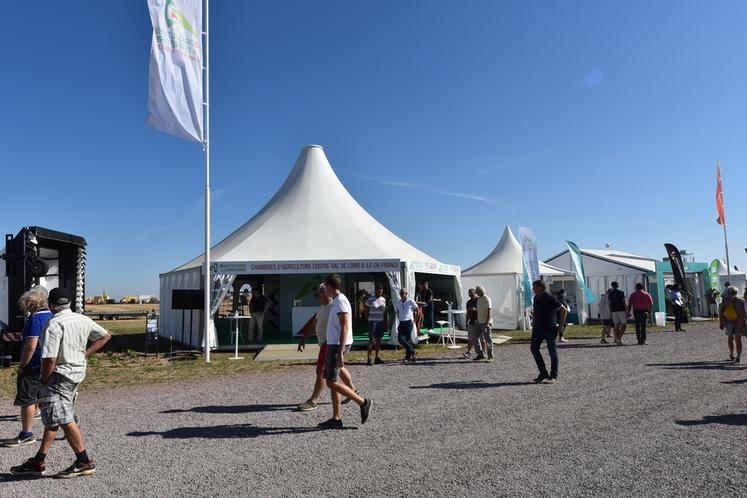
<point x="721" y="220"/>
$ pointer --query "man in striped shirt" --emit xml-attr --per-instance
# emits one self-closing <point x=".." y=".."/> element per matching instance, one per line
<point x="64" y="352"/>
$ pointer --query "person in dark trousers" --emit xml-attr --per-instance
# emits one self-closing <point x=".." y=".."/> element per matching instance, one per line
<point x="406" y="309"/>
<point x="548" y="314"/>
<point x="640" y="304"/>
<point x="619" y="312"/>
<point x="429" y="306"/>
<point x="561" y="298"/>
<point x="675" y="297"/>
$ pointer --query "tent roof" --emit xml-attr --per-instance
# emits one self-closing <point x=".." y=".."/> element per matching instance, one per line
<point x="723" y="270"/>
<point x="618" y="257"/>
<point x="506" y="257"/>
<point x="552" y="271"/>
<point x="312" y="217"/>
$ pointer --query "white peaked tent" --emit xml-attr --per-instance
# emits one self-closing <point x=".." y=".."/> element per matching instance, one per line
<point x="737" y="278"/>
<point x="312" y="225"/>
<point x="500" y="275"/>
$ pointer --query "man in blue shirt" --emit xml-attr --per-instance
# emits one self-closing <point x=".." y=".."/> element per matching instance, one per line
<point x="34" y="304"/>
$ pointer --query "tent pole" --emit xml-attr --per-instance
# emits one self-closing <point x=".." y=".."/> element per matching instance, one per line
<point x="206" y="148"/>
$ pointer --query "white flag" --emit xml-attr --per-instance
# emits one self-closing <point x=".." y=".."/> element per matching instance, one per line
<point x="175" y="73"/>
<point x="529" y="248"/>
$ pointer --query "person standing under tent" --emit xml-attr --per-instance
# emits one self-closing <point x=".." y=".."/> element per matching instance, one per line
<point x="258" y="305"/>
<point x="473" y="333"/>
<point x="484" y="325"/>
<point x="731" y="318"/>
<point x="406" y="309"/>
<point x="429" y="307"/>
<point x="561" y="299"/>
<point x="34" y="303"/>
<point x="548" y="314"/>
<point x="64" y="354"/>
<point x="420" y="314"/>
<point x="339" y="341"/>
<point x="374" y="312"/>
<point x="640" y="304"/>
<point x="712" y="296"/>
<point x="320" y="328"/>
<point x="605" y="315"/>
<point x="675" y="297"/>
<point x="619" y="312"/>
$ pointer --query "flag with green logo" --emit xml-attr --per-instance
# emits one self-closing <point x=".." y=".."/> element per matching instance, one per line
<point x="175" y="94"/>
<point x="714" y="275"/>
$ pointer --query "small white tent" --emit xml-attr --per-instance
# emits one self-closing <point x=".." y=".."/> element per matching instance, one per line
<point x="312" y="226"/>
<point x="500" y="275"/>
<point x="736" y="278"/>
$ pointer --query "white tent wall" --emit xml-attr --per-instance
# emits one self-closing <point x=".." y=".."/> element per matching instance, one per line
<point x="600" y="274"/>
<point x="171" y="320"/>
<point x="502" y="292"/>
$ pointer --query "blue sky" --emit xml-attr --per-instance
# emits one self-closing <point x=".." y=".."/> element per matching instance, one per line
<point x="598" y="122"/>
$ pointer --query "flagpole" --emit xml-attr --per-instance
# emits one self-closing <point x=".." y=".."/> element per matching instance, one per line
<point x="726" y="246"/>
<point x="206" y="148"/>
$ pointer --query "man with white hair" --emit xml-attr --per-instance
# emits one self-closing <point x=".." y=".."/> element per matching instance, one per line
<point x="63" y="368"/>
<point x="484" y="325"/>
<point x="731" y="320"/>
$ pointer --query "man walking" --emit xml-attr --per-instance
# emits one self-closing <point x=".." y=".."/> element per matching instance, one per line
<point x="547" y="315"/>
<point x="731" y="320"/>
<point x="258" y="305"/>
<point x="471" y="315"/>
<point x="34" y="303"/>
<point x="63" y="368"/>
<point x="339" y="341"/>
<point x="640" y="304"/>
<point x="484" y="324"/>
<point x="320" y="328"/>
<point x="619" y="312"/>
<point x="406" y="309"/>
<point x="374" y="311"/>
<point x="561" y="299"/>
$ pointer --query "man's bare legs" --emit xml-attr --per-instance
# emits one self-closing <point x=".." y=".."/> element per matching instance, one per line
<point x="338" y="389"/>
<point x="27" y="418"/>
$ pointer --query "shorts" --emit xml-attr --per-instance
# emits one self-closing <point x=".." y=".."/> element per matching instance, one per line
<point x="331" y="370"/>
<point x="619" y="317"/>
<point x="27" y="387"/>
<point x="607" y="322"/>
<point x="322" y="358"/>
<point x="56" y="401"/>
<point x="731" y="329"/>
<point x="375" y="331"/>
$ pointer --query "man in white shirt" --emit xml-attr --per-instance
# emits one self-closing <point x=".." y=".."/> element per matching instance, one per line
<point x="375" y="315"/>
<point x="406" y="309"/>
<point x="320" y="328"/>
<point x="339" y="341"/>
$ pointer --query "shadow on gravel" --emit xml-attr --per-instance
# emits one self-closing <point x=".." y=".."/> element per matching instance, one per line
<point x="734" y="382"/>
<point x="565" y="345"/>
<point x="698" y="365"/>
<point x="13" y="478"/>
<point x="236" y="431"/>
<point x="731" y="419"/>
<point x="232" y="409"/>
<point x="5" y="418"/>
<point x="475" y="384"/>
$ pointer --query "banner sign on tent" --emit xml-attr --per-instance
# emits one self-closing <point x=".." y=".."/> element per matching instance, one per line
<point x="575" y="254"/>
<point x="290" y="267"/>
<point x="527" y="285"/>
<point x="678" y="267"/>
<point x="431" y="267"/>
<point x="529" y="250"/>
<point x="714" y="275"/>
<point x="175" y="72"/>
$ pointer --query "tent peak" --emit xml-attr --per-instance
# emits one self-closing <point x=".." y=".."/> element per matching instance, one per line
<point x="313" y="146"/>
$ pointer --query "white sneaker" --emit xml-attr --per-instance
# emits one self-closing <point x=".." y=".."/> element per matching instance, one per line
<point x="563" y="339"/>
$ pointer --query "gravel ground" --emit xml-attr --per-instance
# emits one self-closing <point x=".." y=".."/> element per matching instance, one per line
<point x="668" y="419"/>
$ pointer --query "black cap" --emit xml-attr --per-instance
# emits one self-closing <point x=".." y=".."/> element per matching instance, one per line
<point x="59" y="296"/>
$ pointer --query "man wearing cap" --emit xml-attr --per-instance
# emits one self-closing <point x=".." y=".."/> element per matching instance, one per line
<point x="63" y="368"/>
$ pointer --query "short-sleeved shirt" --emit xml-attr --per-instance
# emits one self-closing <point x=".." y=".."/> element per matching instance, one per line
<point x="483" y="306"/>
<point x="34" y="327"/>
<point x="340" y="304"/>
<point x="676" y="297"/>
<point x="66" y="338"/>
<point x="257" y="304"/>
<point x="617" y="300"/>
<point x="640" y="300"/>
<point x="472" y="310"/>
<point x="376" y="307"/>
<point x="544" y="318"/>
<point x="428" y="296"/>
<point x="322" y="316"/>
<point x="405" y="309"/>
